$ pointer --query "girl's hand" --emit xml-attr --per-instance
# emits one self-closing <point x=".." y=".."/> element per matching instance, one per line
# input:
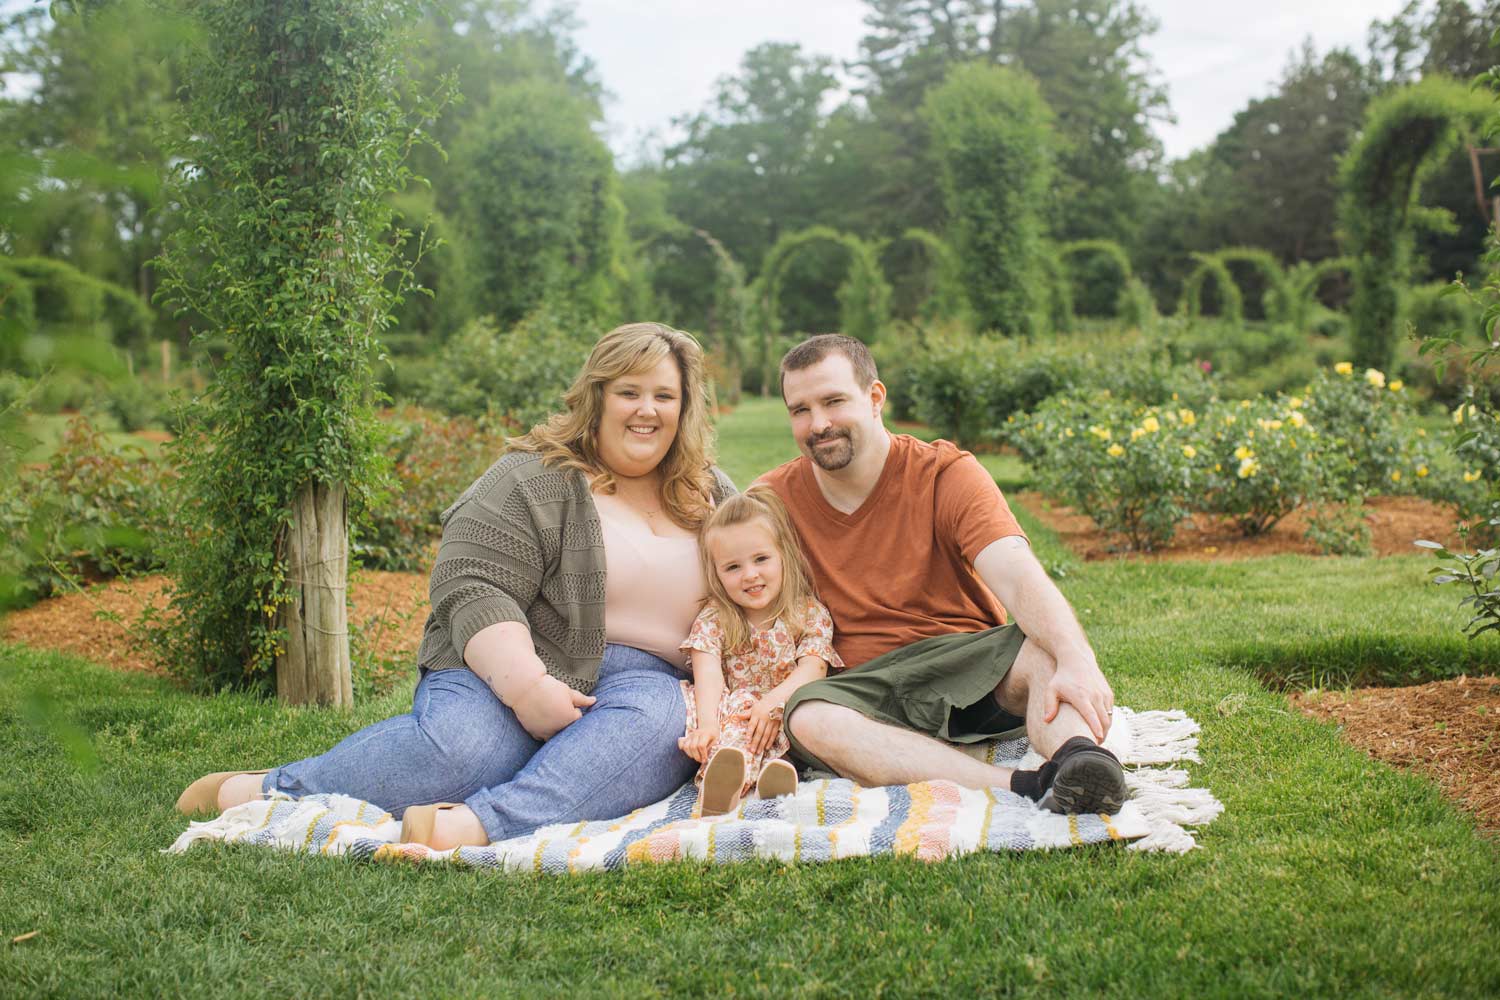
<point x="696" y="744"/>
<point x="763" y="719"/>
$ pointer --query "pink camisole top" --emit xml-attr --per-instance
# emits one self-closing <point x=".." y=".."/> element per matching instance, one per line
<point x="653" y="586"/>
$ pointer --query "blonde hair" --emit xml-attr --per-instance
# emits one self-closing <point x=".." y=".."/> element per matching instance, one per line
<point x="569" y="440"/>
<point x="759" y="502"/>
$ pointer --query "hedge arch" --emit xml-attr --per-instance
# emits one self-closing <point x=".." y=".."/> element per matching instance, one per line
<point x="946" y="298"/>
<point x="1405" y="135"/>
<point x="1276" y="301"/>
<point x="1058" y="302"/>
<point x="1210" y="266"/>
<point x="1307" y="279"/>
<point x="1108" y="249"/>
<point x="864" y="297"/>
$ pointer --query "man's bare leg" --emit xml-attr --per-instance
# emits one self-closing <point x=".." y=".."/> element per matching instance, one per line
<point x="1083" y="777"/>
<point x="1023" y="692"/>
<point x="873" y="753"/>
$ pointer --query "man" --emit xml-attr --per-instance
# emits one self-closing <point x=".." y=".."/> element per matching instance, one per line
<point x="918" y="557"/>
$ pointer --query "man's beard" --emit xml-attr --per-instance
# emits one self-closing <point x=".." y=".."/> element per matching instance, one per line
<point x="834" y="458"/>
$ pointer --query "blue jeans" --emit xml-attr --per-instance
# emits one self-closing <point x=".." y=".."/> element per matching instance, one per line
<point x="460" y="744"/>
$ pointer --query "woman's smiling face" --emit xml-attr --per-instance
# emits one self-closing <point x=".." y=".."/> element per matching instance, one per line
<point x="638" y="421"/>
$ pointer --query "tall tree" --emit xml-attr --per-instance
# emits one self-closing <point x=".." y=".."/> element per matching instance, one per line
<point x="293" y="140"/>
<point x="1086" y="56"/>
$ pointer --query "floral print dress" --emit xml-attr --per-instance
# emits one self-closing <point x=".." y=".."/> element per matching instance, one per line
<point x="750" y="673"/>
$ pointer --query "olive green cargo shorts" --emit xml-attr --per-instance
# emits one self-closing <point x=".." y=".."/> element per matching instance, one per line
<point x="939" y="687"/>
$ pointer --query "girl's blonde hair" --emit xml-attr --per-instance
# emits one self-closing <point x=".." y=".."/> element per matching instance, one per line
<point x="758" y="502"/>
<point x="569" y="440"/>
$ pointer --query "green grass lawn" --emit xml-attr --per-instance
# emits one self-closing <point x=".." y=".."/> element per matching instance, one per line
<point x="1328" y="874"/>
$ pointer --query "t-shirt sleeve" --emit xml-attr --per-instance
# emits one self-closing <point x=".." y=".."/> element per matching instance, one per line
<point x="971" y="510"/>
<point x="817" y="637"/>
<point x="706" y="635"/>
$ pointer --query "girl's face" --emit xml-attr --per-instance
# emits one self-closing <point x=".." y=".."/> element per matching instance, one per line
<point x="749" y="566"/>
<point x="639" y="419"/>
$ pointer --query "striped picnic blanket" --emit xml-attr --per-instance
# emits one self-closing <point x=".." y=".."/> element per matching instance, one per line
<point x="826" y="820"/>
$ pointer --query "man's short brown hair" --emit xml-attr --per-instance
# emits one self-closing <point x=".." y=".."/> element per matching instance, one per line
<point x="815" y="349"/>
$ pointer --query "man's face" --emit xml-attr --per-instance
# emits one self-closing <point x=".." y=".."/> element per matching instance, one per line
<point x="832" y="417"/>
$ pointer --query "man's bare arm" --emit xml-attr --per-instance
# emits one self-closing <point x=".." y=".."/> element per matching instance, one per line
<point x="1008" y="567"/>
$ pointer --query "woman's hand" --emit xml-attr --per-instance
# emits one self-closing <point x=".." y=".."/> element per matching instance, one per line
<point x="763" y="719"/>
<point x="547" y="706"/>
<point x="696" y="744"/>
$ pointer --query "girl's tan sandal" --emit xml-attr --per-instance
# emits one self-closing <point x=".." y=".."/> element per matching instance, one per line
<point x="776" y="779"/>
<point x="722" y="781"/>
<point x="418" y="821"/>
<point x="203" y="795"/>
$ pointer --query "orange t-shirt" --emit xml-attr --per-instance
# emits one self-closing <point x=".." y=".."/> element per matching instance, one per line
<point x="901" y="567"/>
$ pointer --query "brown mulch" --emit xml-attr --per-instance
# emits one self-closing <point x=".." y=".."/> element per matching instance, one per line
<point x="1447" y="730"/>
<point x="389" y="607"/>
<point x="1395" y="522"/>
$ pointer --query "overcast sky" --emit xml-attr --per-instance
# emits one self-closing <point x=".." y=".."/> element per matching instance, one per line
<point x="659" y="58"/>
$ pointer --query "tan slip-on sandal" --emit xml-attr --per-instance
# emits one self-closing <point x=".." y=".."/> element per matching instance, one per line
<point x="776" y="779"/>
<point x="418" y="821"/>
<point x="203" y="795"/>
<point x="722" y="781"/>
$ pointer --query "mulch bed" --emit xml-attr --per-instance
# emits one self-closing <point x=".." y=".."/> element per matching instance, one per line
<point x="1447" y="730"/>
<point x="390" y="607"/>
<point x="1395" y="522"/>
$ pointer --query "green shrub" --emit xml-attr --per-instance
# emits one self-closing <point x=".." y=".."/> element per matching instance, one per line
<point x="966" y="388"/>
<point x="1441" y="309"/>
<point x="433" y="458"/>
<point x="1267" y="461"/>
<point x="1373" y="444"/>
<point x="1131" y="468"/>
<point x="519" y="375"/>
<point x="90" y="513"/>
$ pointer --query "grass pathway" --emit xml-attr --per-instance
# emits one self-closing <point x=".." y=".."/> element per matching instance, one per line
<point x="1328" y="874"/>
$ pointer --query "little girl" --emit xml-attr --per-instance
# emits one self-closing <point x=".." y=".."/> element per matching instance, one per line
<point x="761" y="635"/>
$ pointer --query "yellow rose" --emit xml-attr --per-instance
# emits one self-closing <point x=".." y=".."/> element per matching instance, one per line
<point x="1218" y="467"/>
<point x="1115" y="451"/>
<point x="1375" y="377"/>
<point x="1243" y="453"/>
<point x="1421" y="472"/>
<point x="1067" y="432"/>
<point x="1244" y="404"/>
<point x="1295" y="403"/>
<point x="1470" y="477"/>
<point x="1151" y="425"/>
<point x="1188" y="451"/>
<point x="1396" y="476"/>
<point x="1102" y="433"/>
<point x="1229" y="418"/>
<point x="1188" y="417"/>
<point x="1297" y="419"/>
<point x="1344" y="368"/>
<point x="1397" y="385"/>
<point x="1248" y="468"/>
<point x="1136" y="433"/>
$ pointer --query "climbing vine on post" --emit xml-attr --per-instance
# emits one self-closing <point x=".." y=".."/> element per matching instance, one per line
<point x="293" y="137"/>
<point x="731" y="311"/>
<point x="1406" y="133"/>
<point x="945" y="297"/>
<point x="992" y="137"/>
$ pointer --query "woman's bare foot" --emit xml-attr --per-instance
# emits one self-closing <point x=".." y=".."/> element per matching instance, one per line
<point x="457" y="827"/>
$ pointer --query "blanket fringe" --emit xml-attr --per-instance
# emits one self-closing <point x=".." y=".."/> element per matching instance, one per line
<point x="230" y="825"/>
<point x="1169" y="805"/>
<point x="1160" y="737"/>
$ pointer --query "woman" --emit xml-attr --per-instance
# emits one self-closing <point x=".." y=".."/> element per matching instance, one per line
<point x="549" y="679"/>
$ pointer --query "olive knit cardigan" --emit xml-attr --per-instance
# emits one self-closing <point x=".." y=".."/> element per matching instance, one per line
<point x="524" y="544"/>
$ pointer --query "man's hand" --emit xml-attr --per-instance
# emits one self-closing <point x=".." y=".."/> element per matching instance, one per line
<point x="547" y="706"/>
<point x="696" y="744"/>
<point x="1079" y="682"/>
<point x="763" y="719"/>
